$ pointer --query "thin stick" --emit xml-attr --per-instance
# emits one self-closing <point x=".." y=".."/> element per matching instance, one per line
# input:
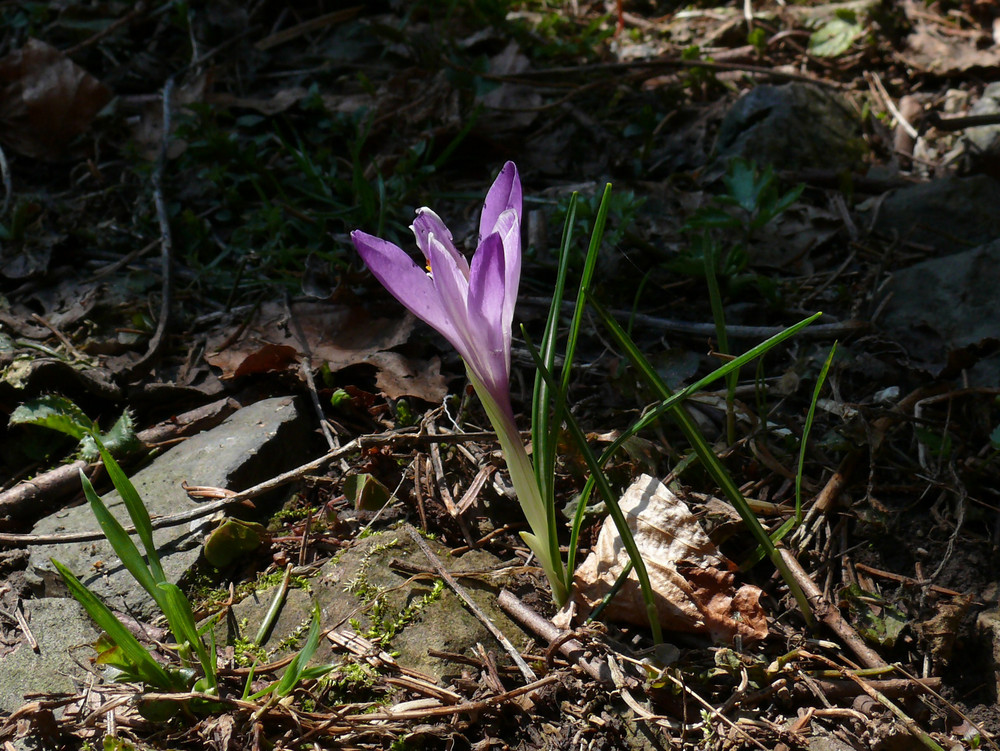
<point x="572" y="649"/>
<point x="383" y="439"/>
<point x="205" y="509"/>
<point x="166" y="240"/>
<point x="23" y="499"/>
<point x="830" y="615"/>
<point x="882" y="699"/>
<point x="526" y="671"/>
<point x="8" y="184"/>
<point x="692" y="328"/>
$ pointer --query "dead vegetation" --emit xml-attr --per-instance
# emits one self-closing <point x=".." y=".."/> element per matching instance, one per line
<point x="179" y="183"/>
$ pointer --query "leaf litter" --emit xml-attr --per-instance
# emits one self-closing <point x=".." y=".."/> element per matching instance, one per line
<point x="404" y="120"/>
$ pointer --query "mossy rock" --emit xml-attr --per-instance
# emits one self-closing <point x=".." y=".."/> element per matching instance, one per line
<point x="411" y="616"/>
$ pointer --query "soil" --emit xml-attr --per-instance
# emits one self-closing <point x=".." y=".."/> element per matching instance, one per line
<point x="155" y="259"/>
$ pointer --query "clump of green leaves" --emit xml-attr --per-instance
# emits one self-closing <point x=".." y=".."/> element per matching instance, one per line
<point x="117" y="647"/>
<point x="60" y="414"/>
<point x="722" y="231"/>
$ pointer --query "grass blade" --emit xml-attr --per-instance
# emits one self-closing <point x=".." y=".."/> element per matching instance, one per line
<point x="542" y="437"/>
<point x="136" y="508"/>
<point x="151" y="672"/>
<point x="177" y="609"/>
<point x="604" y="487"/>
<point x="126" y="550"/>
<point x="708" y="458"/>
<point x="796" y="520"/>
<point x="293" y="673"/>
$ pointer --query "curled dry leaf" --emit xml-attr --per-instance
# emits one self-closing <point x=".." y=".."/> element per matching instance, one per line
<point x="693" y="582"/>
<point x="46" y="100"/>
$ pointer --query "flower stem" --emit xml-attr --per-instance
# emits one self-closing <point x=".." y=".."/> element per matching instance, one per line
<point x="542" y="540"/>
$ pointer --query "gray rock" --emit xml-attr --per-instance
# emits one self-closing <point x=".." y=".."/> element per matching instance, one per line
<point x="348" y="587"/>
<point x="949" y="215"/>
<point x="794" y="126"/>
<point x="828" y="743"/>
<point x="254" y="444"/>
<point x="943" y="309"/>
<point x="61" y="627"/>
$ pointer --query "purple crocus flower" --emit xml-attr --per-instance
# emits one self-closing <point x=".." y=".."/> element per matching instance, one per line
<point x="472" y="306"/>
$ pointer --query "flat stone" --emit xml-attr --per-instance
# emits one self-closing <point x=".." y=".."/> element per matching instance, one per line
<point x="346" y="588"/>
<point x="62" y="628"/>
<point x="950" y="214"/>
<point x="945" y="309"/>
<point x="254" y="444"/>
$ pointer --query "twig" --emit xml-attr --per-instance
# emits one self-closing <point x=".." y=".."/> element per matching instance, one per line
<point x="712" y="710"/>
<point x="472" y="706"/>
<point x="837" y="690"/>
<point x="442" y="484"/>
<point x="166" y="240"/>
<point x="876" y="84"/>
<point x="830" y="615"/>
<point x="23" y="623"/>
<point x="526" y="671"/>
<point x="328" y="19"/>
<point x="77" y="355"/>
<point x="689" y="328"/>
<point x="905" y="719"/>
<point x="572" y="649"/>
<point x="305" y="366"/>
<point x="961" y="122"/>
<point x="827" y="497"/>
<point x="384" y="439"/>
<point x="138" y="10"/>
<point x="8" y="184"/>
<point x="907" y="580"/>
<point x="528" y="76"/>
<point x="931" y="686"/>
<point x="196" y="513"/>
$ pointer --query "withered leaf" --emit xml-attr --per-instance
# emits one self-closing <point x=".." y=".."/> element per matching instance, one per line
<point x="46" y="100"/>
<point x="693" y="583"/>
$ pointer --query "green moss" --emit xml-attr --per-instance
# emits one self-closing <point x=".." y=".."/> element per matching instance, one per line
<point x="385" y="623"/>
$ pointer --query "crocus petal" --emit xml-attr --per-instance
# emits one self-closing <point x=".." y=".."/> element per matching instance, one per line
<point x="428" y="223"/>
<point x="486" y="311"/>
<point x="405" y="280"/>
<point x="508" y="226"/>
<point x="452" y="289"/>
<point x="504" y="194"/>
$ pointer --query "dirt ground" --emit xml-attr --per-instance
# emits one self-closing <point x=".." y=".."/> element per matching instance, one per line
<point x="180" y="184"/>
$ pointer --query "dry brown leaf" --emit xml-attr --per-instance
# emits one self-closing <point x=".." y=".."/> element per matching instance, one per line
<point x="46" y="100"/>
<point x="399" y="376"/>
<point x="518" y="104"/>
<point x="693" y="582"/>
<point x="337" y="333"/>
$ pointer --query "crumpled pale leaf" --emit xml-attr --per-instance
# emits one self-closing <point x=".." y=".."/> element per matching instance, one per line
<point x="693" y="582"/>
<point x="46" y="100"/>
